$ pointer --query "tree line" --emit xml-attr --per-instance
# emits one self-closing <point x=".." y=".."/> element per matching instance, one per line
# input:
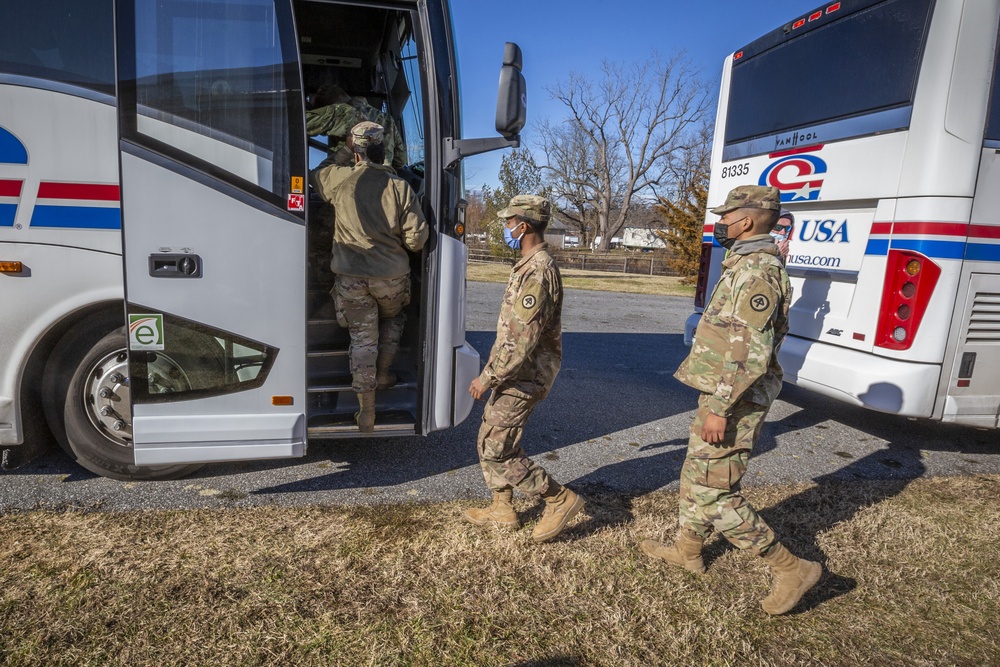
<point x="634" y="150"/>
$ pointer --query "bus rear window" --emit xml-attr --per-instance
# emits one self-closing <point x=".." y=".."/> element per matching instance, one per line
<point x="862" y="63"/>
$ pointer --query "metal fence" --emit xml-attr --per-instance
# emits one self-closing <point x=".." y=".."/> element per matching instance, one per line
<point x="646" y="263"/>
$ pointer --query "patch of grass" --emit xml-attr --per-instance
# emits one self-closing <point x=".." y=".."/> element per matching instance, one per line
<point x="631" y="283"/>
<point x="911" y="580"/>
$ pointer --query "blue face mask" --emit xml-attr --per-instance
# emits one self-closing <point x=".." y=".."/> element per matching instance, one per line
<point x="508" y="238"/>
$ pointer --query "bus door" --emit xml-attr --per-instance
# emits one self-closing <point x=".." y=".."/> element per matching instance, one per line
<point x="213" y="207"/>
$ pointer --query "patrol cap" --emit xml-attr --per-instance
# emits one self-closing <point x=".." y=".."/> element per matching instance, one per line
<point x="750" y="196"/>
<point x="367" y="133"/>
<point x="534" y="208"/>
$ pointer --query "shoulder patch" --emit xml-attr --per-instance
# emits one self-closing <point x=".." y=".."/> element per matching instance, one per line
<point x="529" y="301"/>
<point x="756" y="303"/>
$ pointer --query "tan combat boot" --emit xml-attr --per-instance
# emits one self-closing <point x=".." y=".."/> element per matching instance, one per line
<point x="792" y="578"/>
<point x="501" y="513"/>
<point x="384" y="377"/>
<point x="685" y="551"/>
<point x="365" y="417"/>
<point x="561" y="505"/>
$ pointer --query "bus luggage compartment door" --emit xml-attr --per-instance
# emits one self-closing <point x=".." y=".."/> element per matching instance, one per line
<point x="973" y="394"/>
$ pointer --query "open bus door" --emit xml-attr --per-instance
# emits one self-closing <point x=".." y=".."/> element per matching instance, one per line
<point x="213" y="205"/>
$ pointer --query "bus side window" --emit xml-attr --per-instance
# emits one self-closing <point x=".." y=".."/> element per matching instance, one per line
<point x="68" y="41"/>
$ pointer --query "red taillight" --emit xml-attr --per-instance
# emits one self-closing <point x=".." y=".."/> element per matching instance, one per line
<point x="703" y="265"/>
<point x="909" y="282"/>
<point x="815" y="15"/>
<point x="798" y="24"/>
<point x="832" y="8"/>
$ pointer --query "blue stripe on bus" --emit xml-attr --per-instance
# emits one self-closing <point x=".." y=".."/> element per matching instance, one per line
<point x="12" y="151"/>
<point x="76" y="217"/>
<point x="983" y="252"/>
<point x="877" y="247"/>
<point x="935" y="249"/>
<point x="7" y="213"/>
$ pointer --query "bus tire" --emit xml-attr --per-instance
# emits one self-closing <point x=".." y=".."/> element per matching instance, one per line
<point x="90" y="438"/>
<point x="63" y="361"/>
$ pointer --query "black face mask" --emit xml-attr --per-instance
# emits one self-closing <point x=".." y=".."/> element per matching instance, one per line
<point x="721" y="234"/>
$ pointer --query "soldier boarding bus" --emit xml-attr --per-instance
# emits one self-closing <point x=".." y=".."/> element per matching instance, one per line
<point x="879" y="122"/>
<point x="159" y="311"/>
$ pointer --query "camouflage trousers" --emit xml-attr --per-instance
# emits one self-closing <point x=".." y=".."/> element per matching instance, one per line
<point x="372" y="311"/>
<point x="320" y="240"/>
<point x="710" y="496"/>
<point x="504" y="463"/>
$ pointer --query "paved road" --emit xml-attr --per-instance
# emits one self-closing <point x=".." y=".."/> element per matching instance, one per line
<point x="616" y="420"/>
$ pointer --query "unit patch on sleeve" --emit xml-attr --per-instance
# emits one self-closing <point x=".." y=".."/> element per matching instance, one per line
<point x="756" y="303"/>
<point x="528" y="302"/>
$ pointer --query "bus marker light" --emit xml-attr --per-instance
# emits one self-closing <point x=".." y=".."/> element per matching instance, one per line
<point x="815" y="15"/>
<point x="832" y="8"/>
<point x="11" y="267"/>
<point x="738" y="56"/>
<point x="859" y="336"/>
<point x="282" y="400"/>
<point x="963" y="383"/>
<point x="798" y="24"/>
<point x="913" y="267"/>
<point x="459" y="229"/>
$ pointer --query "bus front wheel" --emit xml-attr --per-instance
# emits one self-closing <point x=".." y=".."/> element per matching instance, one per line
<point x="92" y="389"/>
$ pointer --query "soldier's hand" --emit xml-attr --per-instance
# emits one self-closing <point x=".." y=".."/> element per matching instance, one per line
<point x="477" y="389"/>
<point x="714" y="429"/>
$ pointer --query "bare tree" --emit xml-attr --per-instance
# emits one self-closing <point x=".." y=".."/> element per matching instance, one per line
<point x="684" y="209"/>
<point x="621" y="137"/>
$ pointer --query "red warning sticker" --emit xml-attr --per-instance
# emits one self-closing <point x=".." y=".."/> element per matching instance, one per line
<point x="296" y="202"/>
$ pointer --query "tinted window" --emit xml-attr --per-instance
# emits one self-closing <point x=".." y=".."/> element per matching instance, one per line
<point x="218" y="80"/>
<point x="993" y="121"/>
<point x="864" y="62"/>
<point x="70" y="41"/>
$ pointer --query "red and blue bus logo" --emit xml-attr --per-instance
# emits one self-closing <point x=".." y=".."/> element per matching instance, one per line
<point x="797" y="175"/>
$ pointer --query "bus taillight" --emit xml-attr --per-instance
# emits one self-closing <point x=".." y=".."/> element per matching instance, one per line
<point x="703" y="264"/>
<point x="909" y="282"/>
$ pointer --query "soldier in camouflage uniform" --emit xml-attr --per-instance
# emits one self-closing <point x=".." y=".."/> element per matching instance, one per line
<point x="378" y="221"/>
<point x="734" y="364"/>
<point x="336" y="112"/>
<point x="522" y="366"/>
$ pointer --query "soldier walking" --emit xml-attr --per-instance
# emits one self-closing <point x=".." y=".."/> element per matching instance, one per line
<point x="378" y="221"/>
<point x="734" y="364"/>
<point x="522" y="366"/>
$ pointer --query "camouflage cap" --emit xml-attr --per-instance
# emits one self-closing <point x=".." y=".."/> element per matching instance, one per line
<point x="367" y="133"/>
<point x="750" y="196"/>
<point x="532" y="207"/>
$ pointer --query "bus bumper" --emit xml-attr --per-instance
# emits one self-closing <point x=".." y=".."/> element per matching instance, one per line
<point x="887" y="385"/>
<point x="689" y="326"/>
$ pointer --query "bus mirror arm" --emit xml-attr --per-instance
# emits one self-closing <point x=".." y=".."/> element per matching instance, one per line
<point x="456" y="149"/>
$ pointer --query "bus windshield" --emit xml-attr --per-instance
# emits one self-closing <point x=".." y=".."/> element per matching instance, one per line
<point x="846" y="66"/>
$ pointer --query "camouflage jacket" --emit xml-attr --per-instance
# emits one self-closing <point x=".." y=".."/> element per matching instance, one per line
<point x="735" y="351"/>
<point x="336" y="120"/>
<point x="528" y="349"/>
<point x="378" y="220"/>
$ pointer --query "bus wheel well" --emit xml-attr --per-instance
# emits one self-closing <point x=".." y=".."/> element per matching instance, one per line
<point x="44" y="374"/>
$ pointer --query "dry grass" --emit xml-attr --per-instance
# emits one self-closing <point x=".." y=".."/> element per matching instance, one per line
<point x="911" y="581"/>
<point x="489" y="272"/>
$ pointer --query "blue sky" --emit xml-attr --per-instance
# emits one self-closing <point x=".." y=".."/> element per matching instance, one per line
<point x="558" y="37"/>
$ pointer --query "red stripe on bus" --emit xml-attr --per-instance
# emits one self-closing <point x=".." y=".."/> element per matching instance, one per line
<point x="10" y="188"/>
<point x="90" y="191"/>
<point x="796" y="151"/>
<point x="881" y="228"/>
<point x="931" y="228"/>
<point x="984" y="231"/>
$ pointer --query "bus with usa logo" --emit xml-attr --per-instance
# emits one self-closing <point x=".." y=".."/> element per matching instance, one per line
<point x="879" y="122"/>
<point x="161" y="304"/>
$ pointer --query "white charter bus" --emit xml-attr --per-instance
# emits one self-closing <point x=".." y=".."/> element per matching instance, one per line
<point x="879" y="121"/>
<point x="158" y="311"/>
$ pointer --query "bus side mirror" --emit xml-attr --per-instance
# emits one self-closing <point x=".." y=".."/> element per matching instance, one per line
<point x="512" y="94"/>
